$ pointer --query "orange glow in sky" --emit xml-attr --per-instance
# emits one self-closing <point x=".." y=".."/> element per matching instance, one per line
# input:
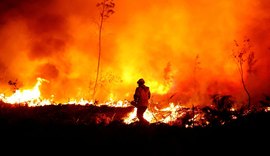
<point x="181" y="48"/>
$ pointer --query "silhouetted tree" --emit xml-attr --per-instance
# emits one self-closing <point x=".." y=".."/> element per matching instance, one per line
<point x="196" y="68"/>
<point x="220" y="112"/>
<point x="13" y="84"/>
<point x="243" y="54"/>
<point x="106" y="9"/>
<point x="222" y="102"/>
<point x="266" y="101"/>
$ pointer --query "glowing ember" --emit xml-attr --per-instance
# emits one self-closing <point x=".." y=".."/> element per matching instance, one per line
<point x="80" y="102"/>
<point x="131" y="117"/>
<point x="267" y="109"/>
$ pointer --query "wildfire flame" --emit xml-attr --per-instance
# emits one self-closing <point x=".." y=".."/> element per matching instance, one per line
<point x="170" y="114"/>
<point x="30" y="96"/>
<point x="181" y="48"/>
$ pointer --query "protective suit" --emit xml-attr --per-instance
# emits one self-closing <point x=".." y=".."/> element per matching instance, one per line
<point x="141" y="96"/>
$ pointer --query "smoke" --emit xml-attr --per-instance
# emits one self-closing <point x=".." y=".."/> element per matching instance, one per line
<point x="181" y="48"/>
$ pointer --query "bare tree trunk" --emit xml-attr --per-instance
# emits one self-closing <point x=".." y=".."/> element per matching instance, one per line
<point x="244" y="54"/>
<point x="99" y="56"/>
<point x="106" y="9"/>
<point x="244" y="86"/>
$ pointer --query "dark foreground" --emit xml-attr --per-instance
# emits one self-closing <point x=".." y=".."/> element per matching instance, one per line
<point x="25" y="132"/>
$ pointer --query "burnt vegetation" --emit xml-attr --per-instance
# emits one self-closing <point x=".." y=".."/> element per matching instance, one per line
<point x="91" y="127"/>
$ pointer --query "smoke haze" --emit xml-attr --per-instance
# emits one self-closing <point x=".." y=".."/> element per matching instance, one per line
<point x="181" y="48"/>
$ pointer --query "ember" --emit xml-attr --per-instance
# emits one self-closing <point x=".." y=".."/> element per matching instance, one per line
<point x="89" y="127"/>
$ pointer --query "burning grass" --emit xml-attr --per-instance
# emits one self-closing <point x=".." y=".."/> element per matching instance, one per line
<point x="87" y="128"/>
<point x="221" y="114"/>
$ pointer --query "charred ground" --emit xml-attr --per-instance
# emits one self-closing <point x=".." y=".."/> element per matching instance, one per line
<point x="91" y="129"/>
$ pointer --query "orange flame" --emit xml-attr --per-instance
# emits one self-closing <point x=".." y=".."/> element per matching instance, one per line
<point x="30" y="96"/>
<point x="159" y="41"/>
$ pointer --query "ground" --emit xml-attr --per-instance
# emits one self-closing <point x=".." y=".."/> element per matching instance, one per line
<point x="55" y="129"/>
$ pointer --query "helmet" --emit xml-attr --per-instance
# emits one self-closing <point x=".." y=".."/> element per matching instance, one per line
<point x="141" y="81"/>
